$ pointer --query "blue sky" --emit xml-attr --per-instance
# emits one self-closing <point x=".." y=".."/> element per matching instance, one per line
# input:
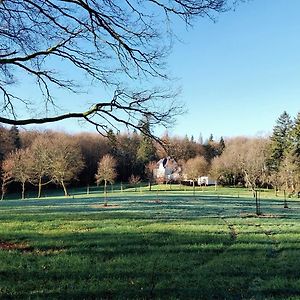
<point x="237" y="75"/>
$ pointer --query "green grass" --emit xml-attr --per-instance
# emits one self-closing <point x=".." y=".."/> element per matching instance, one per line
<point x="150" y="245"/>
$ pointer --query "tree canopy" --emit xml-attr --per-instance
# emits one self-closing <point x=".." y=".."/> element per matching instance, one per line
<point x="60" y="44"/>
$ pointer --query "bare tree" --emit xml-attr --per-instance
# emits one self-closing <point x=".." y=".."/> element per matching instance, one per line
<point x="150" y="167"/>
<point x="7" y="175"/>
<point x="194" y="168"/>
<point x="106" y="42"/>
<point x="227" y="167"/>
<point x="65" y="160"/>
<point x="134" y="180"/>
<point x="252" y="158"/>
<point x="106" y="172"/>
<point x="41" y="163"/>
<point x="21" y="166"/>
<point x="289" y="175"/>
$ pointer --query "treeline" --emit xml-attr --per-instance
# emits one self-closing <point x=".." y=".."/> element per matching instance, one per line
<point x="39" y="158"/>
<point x="260" y="162"/>
<point x="34" y="158"/>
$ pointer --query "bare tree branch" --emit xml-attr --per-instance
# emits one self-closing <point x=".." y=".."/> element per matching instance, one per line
<point x="108" y="42"/>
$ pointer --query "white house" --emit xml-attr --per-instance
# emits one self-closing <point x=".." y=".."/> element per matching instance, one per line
<point x="167" y="170"/>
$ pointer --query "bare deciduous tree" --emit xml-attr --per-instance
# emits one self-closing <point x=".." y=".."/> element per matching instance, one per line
<point x="252" y="158"/>
<point x="194" y="168"/>
<point x="7" y="175"/>
<point x="65" y="160"/>
<point x="244" y="156"/>
<point x="106" y="42"/>
<point x="106" y="172"/>
<point x="134" y="180"/>
<point x="21" y="166"/>
<point x="150" y="167"/>
<point x="289" y="175"/>
<point x="41" y="162"/>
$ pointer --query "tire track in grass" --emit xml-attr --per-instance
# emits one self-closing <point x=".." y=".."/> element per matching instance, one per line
<point x="272" y="252"/>
<point x="154" y="278"/>
<point x="232" y="230"/>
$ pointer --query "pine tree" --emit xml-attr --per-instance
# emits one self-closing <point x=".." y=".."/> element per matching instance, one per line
<point x="294" y="154"/>
<point x="221" y="146"/>
<point x="112" y="140"/>
<point x="146" y="151"/>
<point x="281" y="140"/>
<point x="6" y="144"/>
<point x="296" y="137"/>
<point x="15" y="137"/>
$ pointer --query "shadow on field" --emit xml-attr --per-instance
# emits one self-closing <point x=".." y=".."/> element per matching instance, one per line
<point x="157" y="207"/>
<point x="149" y="263"/>
<point x="179" y="248"/>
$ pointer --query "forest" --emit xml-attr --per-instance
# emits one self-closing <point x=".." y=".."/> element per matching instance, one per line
<point x="33" y="159"/>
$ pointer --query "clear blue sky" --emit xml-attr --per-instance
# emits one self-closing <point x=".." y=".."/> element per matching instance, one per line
<point x="239" y="74"/>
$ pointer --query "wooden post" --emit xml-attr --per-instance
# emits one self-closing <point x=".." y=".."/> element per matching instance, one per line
<point x="194" y="192"/>
<point x="285" y="202"/>
<point x="257" y="204"/>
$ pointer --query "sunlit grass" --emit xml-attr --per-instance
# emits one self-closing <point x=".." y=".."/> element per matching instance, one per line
<point x="165" y="245"/>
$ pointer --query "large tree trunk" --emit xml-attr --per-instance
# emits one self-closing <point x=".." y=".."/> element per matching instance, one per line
<point x="64" y="187"/>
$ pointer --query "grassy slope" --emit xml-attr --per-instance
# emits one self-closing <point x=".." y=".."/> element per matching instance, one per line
<point x="211" y="246"/>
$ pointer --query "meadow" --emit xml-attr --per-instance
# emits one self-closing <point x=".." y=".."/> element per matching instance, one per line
<point x="163" y="244"/>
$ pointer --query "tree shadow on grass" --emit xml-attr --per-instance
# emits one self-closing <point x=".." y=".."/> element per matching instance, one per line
<point x="156" y="263"/>
<point x="182" y="248"/>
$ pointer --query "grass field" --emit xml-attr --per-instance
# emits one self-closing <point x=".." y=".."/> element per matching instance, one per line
<point x="150" y="245"/>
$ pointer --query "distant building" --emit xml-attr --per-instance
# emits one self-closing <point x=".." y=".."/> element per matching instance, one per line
<point x="202" y="180"/>
<point x="205" y="180"/>
<point x="167" y="170"/>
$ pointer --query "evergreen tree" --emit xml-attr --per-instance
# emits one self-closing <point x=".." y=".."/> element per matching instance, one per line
<point x="15" y="137"/>
<point x="129" y="163"/>
<point x="294" y="155"/>
<point x="221" y="146"/>
<point x="146" y="151"/>
<point x="211" y="148"/>
<point x="6" y="145"/>
<point x="112" y="143"/>
<point x="296" y="137"/>
<point x="281" y="140"/>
